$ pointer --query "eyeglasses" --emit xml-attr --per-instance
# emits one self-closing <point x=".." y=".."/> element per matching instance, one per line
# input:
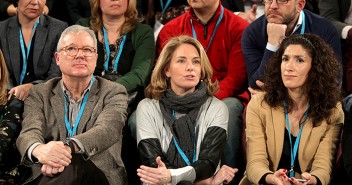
<point x="268" y="2"/>
<point x="72" y="51"/>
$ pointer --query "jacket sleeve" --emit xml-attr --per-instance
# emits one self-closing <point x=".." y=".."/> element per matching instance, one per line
<point x="347" y="143"/>
<point x="143" y="41"/>
<point x="330" y="10"/>
<point x="255" y="57"/>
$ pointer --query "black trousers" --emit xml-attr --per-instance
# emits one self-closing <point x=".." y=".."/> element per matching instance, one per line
<point x="79" y="172"/>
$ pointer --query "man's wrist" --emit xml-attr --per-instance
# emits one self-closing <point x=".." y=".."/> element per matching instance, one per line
<point x="69" y="142"/>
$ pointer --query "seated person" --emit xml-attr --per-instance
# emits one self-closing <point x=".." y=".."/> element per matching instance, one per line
<point x="72" y="126"/>
<point x="10" y="126"/>
<point x="293" y="129"/>
<point x="181" y="125"/>
<point x="28" y="41"/>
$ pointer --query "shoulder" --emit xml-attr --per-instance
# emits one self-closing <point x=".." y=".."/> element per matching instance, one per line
<point x="148" y="104"/>
<point x="84" y="22"/>
<point x="317" y="21"/>
<point x="9" y="21"/>
<point x="107" y="85"/>
<point x="142" y="30"/>
<point x="337" y="115"/>
<point x="46" y="86"/>
<point x="53" y="22"/>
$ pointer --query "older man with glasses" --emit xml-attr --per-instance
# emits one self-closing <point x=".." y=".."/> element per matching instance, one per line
<point x="72" y="126"/>
<point x="282" y="18"/>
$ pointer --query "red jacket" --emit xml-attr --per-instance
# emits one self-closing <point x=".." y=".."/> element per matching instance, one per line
<point x="224" y="53"/>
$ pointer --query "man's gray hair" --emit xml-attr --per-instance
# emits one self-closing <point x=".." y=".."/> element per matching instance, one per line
<point x="76" y="29"/>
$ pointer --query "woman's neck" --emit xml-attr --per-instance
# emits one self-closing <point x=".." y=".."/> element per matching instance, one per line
<point x="300" y="100"/>
<point x="113" y="28"/>
<point x="25" y="22"/>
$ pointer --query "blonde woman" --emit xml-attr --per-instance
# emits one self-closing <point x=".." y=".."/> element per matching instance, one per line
<point x="181" y="125"/>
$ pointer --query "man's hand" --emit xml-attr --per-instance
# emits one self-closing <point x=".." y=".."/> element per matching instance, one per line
<point x="51" y="171"/>
<point x="276" y="33"/>
<point x="159" y="175"/>
<point x="250" y="15"/>
<point x="260" y="84"/>
<point x="20" y="91"/>
<point x="53" y="154"/>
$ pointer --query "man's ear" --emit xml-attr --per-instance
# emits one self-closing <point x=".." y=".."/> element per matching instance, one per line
<point x="57" y="58"/>
<point x="300" y="5"/>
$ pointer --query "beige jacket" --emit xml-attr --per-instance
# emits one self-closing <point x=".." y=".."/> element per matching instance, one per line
<point x="265" y="129"/>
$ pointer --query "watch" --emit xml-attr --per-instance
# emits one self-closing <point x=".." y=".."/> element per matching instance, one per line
<point x="69" y="142"/>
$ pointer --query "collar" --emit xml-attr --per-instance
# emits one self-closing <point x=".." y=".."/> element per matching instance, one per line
<point x="68" y="95"/>
<point x="299" y="22"/>
<point x="214" y="17"/>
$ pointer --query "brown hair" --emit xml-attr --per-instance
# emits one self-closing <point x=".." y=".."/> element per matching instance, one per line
<point x="131" y="14"/>
<point x="323" y="85"/>
<point x="3" y="79"/>
<point x="159" y="81"/>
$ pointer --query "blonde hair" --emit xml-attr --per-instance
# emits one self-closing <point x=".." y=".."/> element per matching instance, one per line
<point x="159" y="81"/>
<point x="131" y="15"/>
<point x="4" y="79"/>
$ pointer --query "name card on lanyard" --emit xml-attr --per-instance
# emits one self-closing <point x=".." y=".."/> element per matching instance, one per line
<point x="25" y="54"/>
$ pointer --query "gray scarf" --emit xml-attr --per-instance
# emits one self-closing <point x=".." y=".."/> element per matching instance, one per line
<point x="183" y="128"/>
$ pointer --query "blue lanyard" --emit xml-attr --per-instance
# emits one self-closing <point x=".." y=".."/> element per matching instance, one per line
<point x="72" y="130"/>
<point x="24" y="53"/>
<point x="180" y="151"/>
<point x="303" y="23"/>
<point x="163" y="8"/>
<point x="107" y="49"/>
<point x="213" y="33"/>
<point x="295" y="147"/>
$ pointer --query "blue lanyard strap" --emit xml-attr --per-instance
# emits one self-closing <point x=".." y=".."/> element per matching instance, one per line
<point x="180" y="151"/>
<point x="72" y="130"/>
<point x="214" y="31"/>
<point x="303" y="23"/>
<point x="107" y="50"/>
<point x="23" y="50"/>
<point x="163" y="8"/>
<point x="295" y="147"/>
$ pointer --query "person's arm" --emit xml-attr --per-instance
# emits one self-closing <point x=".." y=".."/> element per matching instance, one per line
<point x="107" y="129"/>
<point x="257" y="155"/>
<point x="148" y="130"/>
<point x="31" y="142"/>
<point x="255" y="53"/>
<point x="235" y="81"/>
<point x="143" y="40"/>
<point x="54" y="70"/>
<point x="330" y="9"/>
<point x="324" y="158"/>
<point x="347" y="143"/>
<point x="73" y="10"/>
